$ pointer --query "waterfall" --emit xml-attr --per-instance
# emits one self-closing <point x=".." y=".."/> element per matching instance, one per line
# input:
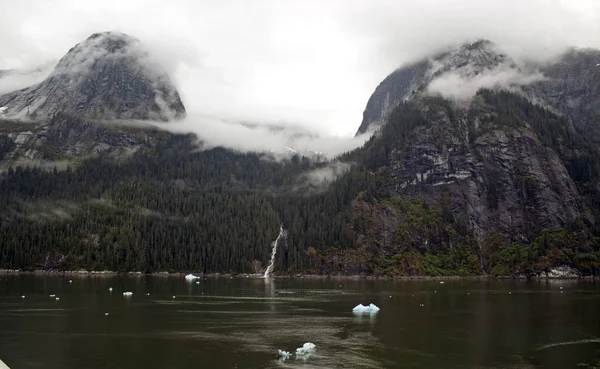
<point x="274" y="251"/>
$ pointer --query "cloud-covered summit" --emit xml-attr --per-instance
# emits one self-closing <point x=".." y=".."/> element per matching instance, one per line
<point x="110" y="75"/>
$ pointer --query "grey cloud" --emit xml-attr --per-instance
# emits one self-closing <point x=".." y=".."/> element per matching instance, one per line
<point x="318" y="180"/>
<point x="461" y="87"/>
<point x="281" y="142"/>
<point x="310" y="63"/>
<point x="13" y="80"/>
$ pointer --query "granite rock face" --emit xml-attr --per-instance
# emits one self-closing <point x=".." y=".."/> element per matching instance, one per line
<point x="499" y="178"/>
<point x="107" y="76"/>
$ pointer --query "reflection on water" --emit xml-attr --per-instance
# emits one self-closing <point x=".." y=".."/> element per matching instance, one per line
<point x="242" y="323"/>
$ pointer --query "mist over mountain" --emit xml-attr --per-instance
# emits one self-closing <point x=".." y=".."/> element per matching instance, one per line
<point x="108" y="76"/>
<point x="459" y="73"/>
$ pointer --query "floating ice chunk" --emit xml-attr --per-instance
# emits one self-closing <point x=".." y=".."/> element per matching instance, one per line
<point x="3" y="366"/>
<point x="52" y="295"/>
<point x="105" y="314"/>
<point x="23" y="296"/>
<point x="283" y="355"/>
<point x="58" y="298"/>
<point x="110" y="289"/>
<point x="197" y="282"/>
<point x="191" y="277"/>
<point x="70" y="281"/>
<point x="174" y="296"/>
<point x="441" y="282"/>
<point x="306" y="349"/>
<point x="360" y="308"/>
<point x="147" y="294"/>
<point x="127" y="294"/>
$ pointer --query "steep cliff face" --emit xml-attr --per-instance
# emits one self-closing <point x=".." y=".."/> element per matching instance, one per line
<point x="107" y="76"/>
<point x="68" y="138"/>
<point x="496" y="169"/>
<point x="572" y="88"/>
<point x="500" y="175"/>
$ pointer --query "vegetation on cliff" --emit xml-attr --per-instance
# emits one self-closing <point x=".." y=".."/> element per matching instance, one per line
<point x="172" y="207"/>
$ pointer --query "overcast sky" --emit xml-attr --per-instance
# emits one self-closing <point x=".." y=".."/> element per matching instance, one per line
<point x="312" y="63"/>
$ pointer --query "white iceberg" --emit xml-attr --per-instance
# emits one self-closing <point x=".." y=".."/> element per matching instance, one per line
<point x="126" y="294"/>
<point x="3" y="366"/>
<point x="360" y="308"/>
<point x="306" y="349"/>
<point x="283" y="355"/>
<point x="191" y="277"/>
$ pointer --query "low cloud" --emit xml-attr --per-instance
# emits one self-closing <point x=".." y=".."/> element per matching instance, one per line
<point x="13" y="80"/>
<point x="318" y="180"/>
<point x="279" y="140"/>
<point x="460" y="87"/>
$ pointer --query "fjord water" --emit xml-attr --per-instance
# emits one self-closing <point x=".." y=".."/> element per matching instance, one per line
<point x="242" y="322"/>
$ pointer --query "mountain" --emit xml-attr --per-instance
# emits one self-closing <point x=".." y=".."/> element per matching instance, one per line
<point x="468" y="60"/>
<point x="108" y="76"/>
<point x="572" y="89"/>
<point x="568" y="84"/>
<point x="485" y="180"/>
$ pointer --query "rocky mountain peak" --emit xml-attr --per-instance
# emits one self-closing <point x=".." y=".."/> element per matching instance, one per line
<point x="466" y="61"/>
<point x="109" y="75"/>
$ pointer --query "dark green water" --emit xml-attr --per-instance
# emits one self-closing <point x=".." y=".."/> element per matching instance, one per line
<point x="242" y="322"/>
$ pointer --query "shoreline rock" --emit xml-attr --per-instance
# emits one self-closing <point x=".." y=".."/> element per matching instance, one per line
<point x="560" y="272"/>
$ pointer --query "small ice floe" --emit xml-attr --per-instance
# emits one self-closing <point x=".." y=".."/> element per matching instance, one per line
<point x="110" y="289"/>
<point x="70" y="281"/>
<point x="441" y="282"/>
<point x="127" y="294"/>
<point x="197" y="282"/>
<point x="3" y="109"/>
<point x="58" y="298"/>
<point x="561" y="288"/>
<point x="283" y="355"/>
<point x="3" y="365"/>
<point x="23" y="296"/>
<point x="173" y="296"/>
<point x="306" y="349"/>
<point x="421" y="305"/>
<point x="52" y="295"/>
<point x="147" y="294"/>
<point x="360" y="308"/>
<point x="105" y="314"/>
<point x="190" y="277"/>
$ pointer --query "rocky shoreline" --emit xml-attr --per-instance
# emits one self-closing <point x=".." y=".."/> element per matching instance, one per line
<point x="110" y="273"/>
